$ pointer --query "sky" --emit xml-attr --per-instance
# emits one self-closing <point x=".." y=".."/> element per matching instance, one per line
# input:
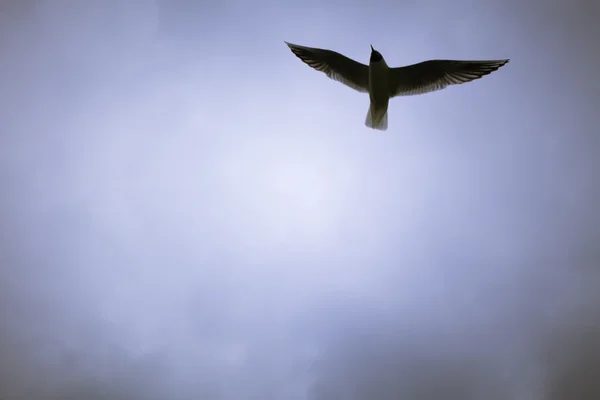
<point x="190" y="212"/>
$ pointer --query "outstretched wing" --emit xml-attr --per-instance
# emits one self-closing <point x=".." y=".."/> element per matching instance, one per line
<point x="335" y="65"/>
<point x="432" y="75"/>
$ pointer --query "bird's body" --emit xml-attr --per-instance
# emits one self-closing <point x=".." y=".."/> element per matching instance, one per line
<point x="383" y="83"/>
<point x="378" y="94"/>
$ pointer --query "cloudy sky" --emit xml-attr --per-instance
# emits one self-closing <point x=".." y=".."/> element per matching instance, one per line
<point x="190" y="212"/>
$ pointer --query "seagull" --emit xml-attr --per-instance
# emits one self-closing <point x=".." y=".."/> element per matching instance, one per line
<point x="383" y="83"/>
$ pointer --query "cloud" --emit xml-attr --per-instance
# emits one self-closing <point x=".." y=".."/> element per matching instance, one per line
<point x="176" y="226"/>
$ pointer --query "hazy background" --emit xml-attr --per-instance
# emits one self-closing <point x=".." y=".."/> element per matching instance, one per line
<point x="190" y="212"/>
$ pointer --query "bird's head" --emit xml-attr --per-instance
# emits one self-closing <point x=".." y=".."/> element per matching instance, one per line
<point x="375" y="55"/>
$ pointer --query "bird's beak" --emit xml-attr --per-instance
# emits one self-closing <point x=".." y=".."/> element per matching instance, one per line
<point x="372" y="49"/>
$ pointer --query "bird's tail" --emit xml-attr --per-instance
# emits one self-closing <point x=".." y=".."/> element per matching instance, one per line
<point x="377" y="118"/>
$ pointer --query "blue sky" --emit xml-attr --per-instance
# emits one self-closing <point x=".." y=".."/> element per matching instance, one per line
<point x="189" y="211"/>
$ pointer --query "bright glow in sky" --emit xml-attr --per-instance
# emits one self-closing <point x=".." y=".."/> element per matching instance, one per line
<point x="190" y="212"/>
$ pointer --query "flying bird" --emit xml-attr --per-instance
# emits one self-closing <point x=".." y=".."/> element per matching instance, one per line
<point x="383" y="83"/>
